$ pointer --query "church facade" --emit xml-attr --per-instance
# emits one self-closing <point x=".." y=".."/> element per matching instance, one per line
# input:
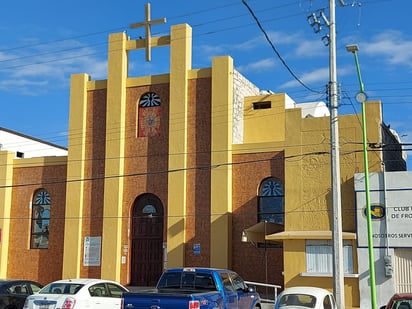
<point x="171" y="169"/>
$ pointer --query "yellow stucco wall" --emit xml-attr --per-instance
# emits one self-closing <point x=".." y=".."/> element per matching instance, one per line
<point x="308" y="204"/>
<point x="307" y="148"/>
<point x="72" y="258"/>
<point x="115" y="140"/>
<point x="6" y="181"/>
<point x="264" y="125"/>
<point x="181" y="61"/>
<point x="221" y="176"/>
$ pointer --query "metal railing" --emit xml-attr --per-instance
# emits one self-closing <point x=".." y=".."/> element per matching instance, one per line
<point x="268" y="292"/>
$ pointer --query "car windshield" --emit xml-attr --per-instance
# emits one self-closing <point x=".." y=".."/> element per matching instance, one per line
<point x="402" y="304"/>
<point x="61" y="288"/>
<point x="300" y="300"/>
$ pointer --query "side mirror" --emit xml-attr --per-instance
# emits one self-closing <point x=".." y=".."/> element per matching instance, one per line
<point x="251" y="288"/>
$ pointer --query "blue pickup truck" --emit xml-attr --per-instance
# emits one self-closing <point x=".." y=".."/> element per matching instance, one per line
<point x="195" y="288"/>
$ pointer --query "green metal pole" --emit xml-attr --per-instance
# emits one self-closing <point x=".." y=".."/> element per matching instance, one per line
<point x="368" y="205"/>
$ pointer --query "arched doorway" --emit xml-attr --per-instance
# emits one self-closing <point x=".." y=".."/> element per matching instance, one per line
<point x="147" y="241"/>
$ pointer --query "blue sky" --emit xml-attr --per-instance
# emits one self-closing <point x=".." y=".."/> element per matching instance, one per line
<point x="44" y="42"/>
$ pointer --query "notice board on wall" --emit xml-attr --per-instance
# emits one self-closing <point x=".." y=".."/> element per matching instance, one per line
<point x="92" y="251"/>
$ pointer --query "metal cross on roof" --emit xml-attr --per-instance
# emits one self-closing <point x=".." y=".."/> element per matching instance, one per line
<point x="147" y="24"/>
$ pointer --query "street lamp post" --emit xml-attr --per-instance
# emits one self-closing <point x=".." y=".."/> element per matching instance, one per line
<point x="361" y="98"/>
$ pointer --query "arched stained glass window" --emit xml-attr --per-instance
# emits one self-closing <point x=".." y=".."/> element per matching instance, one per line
<point x="271" y="201"/>
<point x="149" y="115"/>
<point x="40" y="220"/>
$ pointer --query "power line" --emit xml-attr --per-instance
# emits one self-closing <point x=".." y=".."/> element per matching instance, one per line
<point x="122" y="28"/>
<point x="275" y="50"/>
<point x="205" y="33"/>
<point x="200" y="167"/>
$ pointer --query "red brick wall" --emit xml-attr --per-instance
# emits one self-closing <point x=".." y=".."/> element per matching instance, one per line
<point x="146" y="160"/>
<point x="43" y="265"/>
<point x="249" y="171"/>
<point x="93" y="194"/>
<point x="198" y="181"/>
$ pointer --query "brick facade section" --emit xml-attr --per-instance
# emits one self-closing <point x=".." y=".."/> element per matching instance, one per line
<point x="249" y="170"/>
<point x="198" y="183"/>
<point x="146" y="162"/>
<point x="43" y="265"/>
<point x="92" y="224"/>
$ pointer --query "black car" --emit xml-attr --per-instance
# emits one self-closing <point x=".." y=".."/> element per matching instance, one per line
<point x="13" y="292"/>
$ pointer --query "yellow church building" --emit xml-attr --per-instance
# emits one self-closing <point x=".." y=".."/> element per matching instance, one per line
<point x="171" y="169"/>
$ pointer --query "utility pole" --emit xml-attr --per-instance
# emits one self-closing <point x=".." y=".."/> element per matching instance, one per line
<point x="317" y="21"/>
<point x="338" y="275"/>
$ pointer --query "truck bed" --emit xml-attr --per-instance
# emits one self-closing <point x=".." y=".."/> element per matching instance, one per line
<point x="170" y="298"/>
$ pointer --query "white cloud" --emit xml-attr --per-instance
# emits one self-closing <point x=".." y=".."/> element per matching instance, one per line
<point x="284" y="38"/>
<point x="300" y="45"/>
<point x="311" y="48"/>
<point x="396" y="49"/>
<point x="258" y="42"/>
<point x="24" y="86"/>
<point x="211" y="50"/>
<point x="21" y="82"/>
<point x="248" y="45"/>
<point x="314" y="76"/>
<point x="258" y="66"/>
<point x="30" y="68"/>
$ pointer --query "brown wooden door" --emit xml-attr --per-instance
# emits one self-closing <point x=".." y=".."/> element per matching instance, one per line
<point x="147" y="241"/>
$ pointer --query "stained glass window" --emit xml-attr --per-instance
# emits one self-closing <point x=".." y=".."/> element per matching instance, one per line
<point x="149" y="115"/>
<point x="271" y="201"/>
<point x="40" y="220"/>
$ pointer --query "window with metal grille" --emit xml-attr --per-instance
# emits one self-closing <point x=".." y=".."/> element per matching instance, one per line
<point x="319" y="255"/>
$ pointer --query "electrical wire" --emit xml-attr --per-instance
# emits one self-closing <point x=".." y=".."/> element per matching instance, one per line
<point x="276" y="51"/>
<point x="99" y="33"/>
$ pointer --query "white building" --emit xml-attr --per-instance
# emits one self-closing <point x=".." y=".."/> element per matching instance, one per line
<point x="391" y="234"/>
<point x="28" y="147"/>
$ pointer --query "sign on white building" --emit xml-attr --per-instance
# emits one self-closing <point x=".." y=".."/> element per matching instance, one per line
<point x="391" y="209"/>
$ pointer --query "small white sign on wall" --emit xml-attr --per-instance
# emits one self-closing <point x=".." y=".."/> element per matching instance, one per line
<point x="92" y="251"/>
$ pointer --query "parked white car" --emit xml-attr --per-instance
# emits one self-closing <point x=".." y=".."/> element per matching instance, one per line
<point x="77" y="294"/>
<point x="305" y="297"/>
